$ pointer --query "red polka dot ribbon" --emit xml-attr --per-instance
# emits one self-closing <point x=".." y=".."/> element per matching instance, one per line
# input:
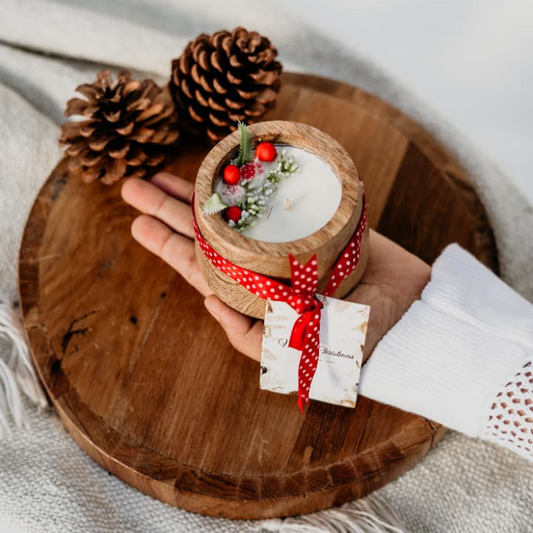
<point x="301" y="296"/>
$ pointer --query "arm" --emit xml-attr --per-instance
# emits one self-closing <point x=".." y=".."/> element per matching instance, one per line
<point x="461" y="355"/>
<point x="462" y="346"/>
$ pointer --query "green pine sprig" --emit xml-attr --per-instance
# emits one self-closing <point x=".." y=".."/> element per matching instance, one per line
<point x="246" y="148"/>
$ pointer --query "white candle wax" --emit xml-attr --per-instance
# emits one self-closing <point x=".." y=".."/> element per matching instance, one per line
<point x="303" y="202"/>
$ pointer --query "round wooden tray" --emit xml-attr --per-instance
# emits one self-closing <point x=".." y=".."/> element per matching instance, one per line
<point x="145" y="380"/>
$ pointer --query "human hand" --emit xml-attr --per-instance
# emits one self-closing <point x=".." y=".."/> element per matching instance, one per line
<point x="393" y="279"/>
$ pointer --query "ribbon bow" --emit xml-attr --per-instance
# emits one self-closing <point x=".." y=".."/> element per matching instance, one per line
<point x="301" y="296"/>
<point x="305" y="335"/>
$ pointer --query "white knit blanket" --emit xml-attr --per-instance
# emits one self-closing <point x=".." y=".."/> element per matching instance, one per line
<point x="47" y="484"/>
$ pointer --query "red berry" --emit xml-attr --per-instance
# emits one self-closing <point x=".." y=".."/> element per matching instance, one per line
<point x="266" y="152"/>
<point x="234" y="213"/>
<point x="231" y="175"/>
<point x="248" y="171"/>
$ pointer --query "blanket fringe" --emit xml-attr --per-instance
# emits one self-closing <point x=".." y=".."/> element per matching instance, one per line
<point x="17" y="374"/>
<point x="368" y="515"/>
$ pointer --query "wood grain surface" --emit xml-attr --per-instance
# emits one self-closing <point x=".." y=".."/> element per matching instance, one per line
<point x="269" y="258"/>
<point x="145" y="380"/>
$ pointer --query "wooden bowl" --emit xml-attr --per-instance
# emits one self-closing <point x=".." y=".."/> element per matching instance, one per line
<point x="271" y="259"/>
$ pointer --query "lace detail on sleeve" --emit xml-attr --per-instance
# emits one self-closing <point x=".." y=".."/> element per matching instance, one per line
<point x="511" y="421"/>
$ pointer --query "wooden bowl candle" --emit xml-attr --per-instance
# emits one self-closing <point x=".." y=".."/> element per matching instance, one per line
<point x="314" y="210"/>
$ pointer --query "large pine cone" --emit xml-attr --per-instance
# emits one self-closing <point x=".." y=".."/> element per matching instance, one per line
<point x="131" y="125"/>
<point x="222" y="78"/>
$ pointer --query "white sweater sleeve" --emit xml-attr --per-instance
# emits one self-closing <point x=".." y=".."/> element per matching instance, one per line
<point x="461" y="355"/>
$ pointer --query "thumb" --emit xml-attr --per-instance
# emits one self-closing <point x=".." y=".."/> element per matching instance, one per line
<point x="244" y="333"/>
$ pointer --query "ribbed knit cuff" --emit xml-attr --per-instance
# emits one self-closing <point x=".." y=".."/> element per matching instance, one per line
<point x="454" y="349"/>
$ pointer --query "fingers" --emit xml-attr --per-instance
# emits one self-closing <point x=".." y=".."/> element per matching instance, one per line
<point x="177" y="187"/>
<point x="152" y="200"/>
<point x="244" y="333"/>
<point x="164" y="199"/>
<point x="174" y="249"/>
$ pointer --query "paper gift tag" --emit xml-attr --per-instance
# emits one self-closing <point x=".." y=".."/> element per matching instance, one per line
<point x="343" y="328"/>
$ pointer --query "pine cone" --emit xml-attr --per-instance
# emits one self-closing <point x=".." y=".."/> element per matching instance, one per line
<point x="222" y="78"/>
<point x="129" y="128"/>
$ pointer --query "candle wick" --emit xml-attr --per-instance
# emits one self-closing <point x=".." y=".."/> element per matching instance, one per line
<point x="286" y="204"/>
